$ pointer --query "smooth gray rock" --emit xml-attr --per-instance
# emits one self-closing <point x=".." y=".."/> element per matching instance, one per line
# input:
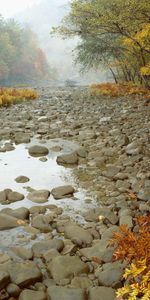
<point x="63" y="192"/>
<point x="66" y="267"/>
<point x="22" y="179"/>
<point x="13" y="290"/>
<point x="22" y="274"/>
<point x="102" y="293"/>
<point x="39" y="196"/>
<point x="69" y="159"/>
<point x="7" y="222"/>
<point x="74" y="232"/>
<point x="15" y="196"/>
<point x="32" y="295"/>
<point x="38" y="150"/>
<point x="40" y="222"/>
<point x="22" y="252"/>
<point x="111" y="275"/>
<point x="40" y="248"/>
<point x="19" y="213"/>
<point x="64" y="293"/>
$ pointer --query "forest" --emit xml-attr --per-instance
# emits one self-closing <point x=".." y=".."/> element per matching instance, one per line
<point x="21" y="59"/>
<point x="114" y="34"/>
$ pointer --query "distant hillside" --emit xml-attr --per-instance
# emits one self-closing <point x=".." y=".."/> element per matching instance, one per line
<point x="41" y="18"/>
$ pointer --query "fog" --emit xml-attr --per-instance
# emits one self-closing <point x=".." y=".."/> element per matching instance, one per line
<point x="41" y="17"/>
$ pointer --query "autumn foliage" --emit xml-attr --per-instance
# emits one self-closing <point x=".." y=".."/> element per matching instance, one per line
<point x="9" y="96"/>
<point x="122" y="89"/>
<point x="134" y="249"/>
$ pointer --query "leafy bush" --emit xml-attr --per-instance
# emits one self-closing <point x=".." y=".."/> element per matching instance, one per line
<point x="134" y="249"/>
<point x="115" y="90"/>
<point x="9" y="96"/>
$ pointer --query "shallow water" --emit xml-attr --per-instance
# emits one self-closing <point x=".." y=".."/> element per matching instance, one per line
<point x="42" y="175"/>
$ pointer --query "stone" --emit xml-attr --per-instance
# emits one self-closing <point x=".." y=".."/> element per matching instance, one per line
<point x="40" y="222"/>
<point x="68" y="159"/>
<point x="111" y="171"/>
<point x="40" y="196"/>
<point x="22" y="179"/>
<point x="15" y="196"/>
<point x="4" y="279"/>
<point x="13" y="290"/>
<point x="66" y="267"/>
<point x="64" y="293"/>
<point x="40" y="248"/>
<point x="95" y="214"/>
<point x="22" y="274"/>
<point x="100" y="250"/>
<point x="7" y="222"/>
<point x="81" y="282"/>
<point x="126" y="220"/>
<point x="4" y="258"/>
<point x="62" y="192"/>
<point x="31" y="295"/>
<point x="19" y="213"/>
<point x="21" y="138"/>
<point x="111" y="275"/>
<point x="3" y="196"/>
<point x="133" y="149"/>
<point x="38" y="150"/>
<point x="102" y="293"/>
<point x="22" y="252"/>
<point x="73" y="232"/>
<point x="144" y="194"/>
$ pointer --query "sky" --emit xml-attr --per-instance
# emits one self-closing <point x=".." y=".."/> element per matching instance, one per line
<point x="8" y="8"/>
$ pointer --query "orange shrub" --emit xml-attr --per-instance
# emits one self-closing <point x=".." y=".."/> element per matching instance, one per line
<point x="9" y="96"/>
<point x="122" y="89"/>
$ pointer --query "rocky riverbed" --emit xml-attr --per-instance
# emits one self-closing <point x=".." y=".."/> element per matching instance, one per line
<point x="73" y="168"/>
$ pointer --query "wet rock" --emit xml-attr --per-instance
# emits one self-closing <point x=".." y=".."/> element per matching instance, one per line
<point x="4" y="279"/>
<point x="40" y="196"/>
<point x="19" y="213"/>
<point x="66" y="267"/>
<point x="23" y="274"/>
<point x="13" y="290"/>
<point x="50" y="254"/>
<point x="75" y="233"/>
<point x="41" y="247"/>
<point x="68" y="159"/>
<point x="4" y="258"/>
<point x="62" y="192"/>
<point x="38" y="150"/>
<point x="40" y="222"/>
<point x="30" y="295"/>
<point x="22" y="179"/>
<point x="22" y="252"/>
<point x="7" y="222"/>
<point x="111" y="275"/>
<point x="15" y="196"/>
<point x="64" y="293"/>
<point x="102" y="293"/>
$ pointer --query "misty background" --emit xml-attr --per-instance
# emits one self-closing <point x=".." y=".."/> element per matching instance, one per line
<point x="41" y="17"/>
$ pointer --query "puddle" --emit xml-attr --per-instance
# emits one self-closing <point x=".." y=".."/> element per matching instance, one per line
<point x="42" y="175"/>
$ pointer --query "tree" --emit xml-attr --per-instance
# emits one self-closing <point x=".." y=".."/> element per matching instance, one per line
<point x="106" y="28"/>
